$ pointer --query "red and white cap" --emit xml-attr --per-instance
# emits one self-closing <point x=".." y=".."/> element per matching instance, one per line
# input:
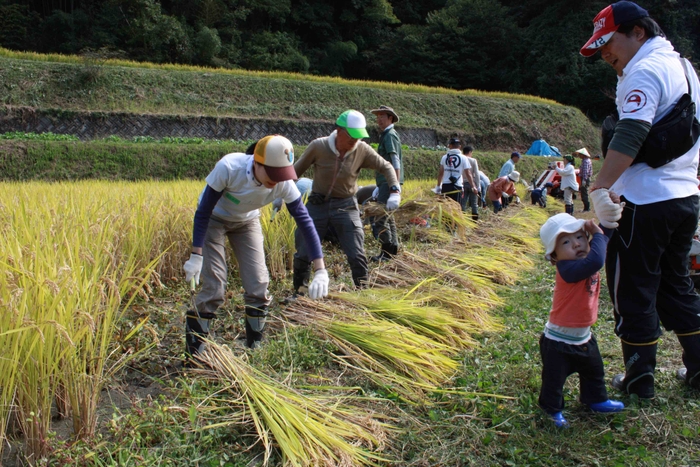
<point x="607" y="22"/>
<point x="276" y="153"/>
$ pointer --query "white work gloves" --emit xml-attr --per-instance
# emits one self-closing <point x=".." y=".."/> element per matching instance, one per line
<point x="608" y="212"/>
<point x="437" y="190"/>
<point x="319" y="286"/>
<point x="517" y="200"/>
<point x="193" y="267"/>
<point x="393" y="201"/>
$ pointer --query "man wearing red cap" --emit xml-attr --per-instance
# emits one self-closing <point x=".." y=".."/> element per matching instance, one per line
<point x="655" y="177"/>
<point x="238" y="186"/>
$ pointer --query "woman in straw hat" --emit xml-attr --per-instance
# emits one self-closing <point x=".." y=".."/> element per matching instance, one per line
<point x="585" y="172"/>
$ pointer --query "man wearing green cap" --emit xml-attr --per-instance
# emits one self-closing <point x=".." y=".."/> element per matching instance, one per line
<point x="337" y="160"/>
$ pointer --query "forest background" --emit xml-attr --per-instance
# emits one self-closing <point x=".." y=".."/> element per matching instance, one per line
<point x="493" y="45"/>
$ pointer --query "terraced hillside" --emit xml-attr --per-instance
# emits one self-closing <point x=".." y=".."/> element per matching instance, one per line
<point x="57" y="85"/>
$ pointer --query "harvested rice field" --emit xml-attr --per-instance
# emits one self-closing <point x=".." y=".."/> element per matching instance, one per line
<point x="435" y="363"/>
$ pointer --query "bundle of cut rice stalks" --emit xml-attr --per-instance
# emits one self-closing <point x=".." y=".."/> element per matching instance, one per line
<point x="498" y="265"/>
<point x="389" y="353"/>
<point x="444" y="215"/>
<point x="308" y="431"/>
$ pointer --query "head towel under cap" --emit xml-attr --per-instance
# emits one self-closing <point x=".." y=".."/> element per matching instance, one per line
<point x="608" y="20"/>
<point x="556" y="225"/>
<point x="276" y="153"/>
<point x="354" y="122"/>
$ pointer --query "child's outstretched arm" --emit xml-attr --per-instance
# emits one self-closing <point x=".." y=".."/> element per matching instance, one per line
<point x="579" y="269"/>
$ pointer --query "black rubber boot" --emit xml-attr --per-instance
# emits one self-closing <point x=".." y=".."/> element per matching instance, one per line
<point x="360" y="281"/>
<point x="300" y="279"/>
<point x="255" y="319"/>
<point x="386" y="253"/>
<point x="196" y="331"/>
<point x="569" y="209"/>
<point x="691" y="359"/>
<point x="640" y="362"/>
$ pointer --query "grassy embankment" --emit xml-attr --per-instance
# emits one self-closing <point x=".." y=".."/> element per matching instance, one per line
<point x="33" y="157"/>
<point x="493" y="121"/>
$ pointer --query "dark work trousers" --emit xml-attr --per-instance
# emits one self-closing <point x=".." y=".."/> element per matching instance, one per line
<point x="470" y="199"/>
<point x="385" y="226"/>
<point x="505" y="200"/>
<point x="453" y="191"/>
<point x="497" y="206"/>
<point x="647" y="270"/>
<point x="583" y="189"/>
<point x="559" y="361"/>
<point x="343" y="215"/>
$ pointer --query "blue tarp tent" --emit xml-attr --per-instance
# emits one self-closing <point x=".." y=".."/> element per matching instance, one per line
<point x="541" y="148"/>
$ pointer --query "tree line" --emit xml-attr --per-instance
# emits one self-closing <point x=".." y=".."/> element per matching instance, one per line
<point x="493" y="45"/>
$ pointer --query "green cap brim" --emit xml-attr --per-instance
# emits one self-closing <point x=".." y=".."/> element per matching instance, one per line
<point x="358" y="133"/>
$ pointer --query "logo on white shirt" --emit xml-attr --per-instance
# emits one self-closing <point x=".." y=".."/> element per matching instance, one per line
<point x="453" y="161"/>
<point x="635" y="101"/>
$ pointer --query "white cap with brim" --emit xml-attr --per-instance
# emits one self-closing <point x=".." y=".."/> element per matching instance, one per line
<point x="354" y="123"/>
<point x="515" y="176"/>
<point x="276" y="154"/>
<point x="556" y="225"/>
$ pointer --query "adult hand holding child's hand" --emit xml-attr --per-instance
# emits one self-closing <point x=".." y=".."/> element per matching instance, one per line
<point x="591" y="226"/>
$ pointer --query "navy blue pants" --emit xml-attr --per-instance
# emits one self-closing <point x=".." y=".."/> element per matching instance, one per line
<point x="647" y="270"/>
<point x="559" y="361"/>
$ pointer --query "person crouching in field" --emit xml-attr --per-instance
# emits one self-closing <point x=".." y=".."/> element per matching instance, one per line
<point x="502" y="187"/>
<point x="567" y="345"/>
<point x="237" y="187"/>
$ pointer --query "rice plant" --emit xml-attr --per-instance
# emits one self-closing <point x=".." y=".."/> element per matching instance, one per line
<point x="308" y="431"/>
<point x="73" y="257"/>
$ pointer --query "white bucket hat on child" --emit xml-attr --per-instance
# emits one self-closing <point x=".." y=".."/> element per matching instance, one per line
<point x="555" y="225"/>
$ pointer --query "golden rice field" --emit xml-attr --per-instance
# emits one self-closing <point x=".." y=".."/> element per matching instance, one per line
<point x="75" y="255"/>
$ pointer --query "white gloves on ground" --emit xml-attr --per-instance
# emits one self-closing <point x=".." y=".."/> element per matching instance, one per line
<point x="393" y="201"/>
<point x="319" y="286"/>
<point x="607" y="211"/>
<point x="193" y="267"/>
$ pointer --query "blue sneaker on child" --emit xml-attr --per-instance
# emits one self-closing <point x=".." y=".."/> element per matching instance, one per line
<point x="559" y="420"/>
<point x="608" y="406"/>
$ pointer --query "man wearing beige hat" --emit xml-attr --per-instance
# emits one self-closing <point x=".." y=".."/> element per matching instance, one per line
<point x="390" y="149"/>
<point x="585" y="171"/>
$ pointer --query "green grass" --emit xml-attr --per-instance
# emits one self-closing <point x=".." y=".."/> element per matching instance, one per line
<point x="515" y="432"/>
<point x="28" y="156"/>
<point x="494" y="121"/>
<point x="95" y="64"/>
